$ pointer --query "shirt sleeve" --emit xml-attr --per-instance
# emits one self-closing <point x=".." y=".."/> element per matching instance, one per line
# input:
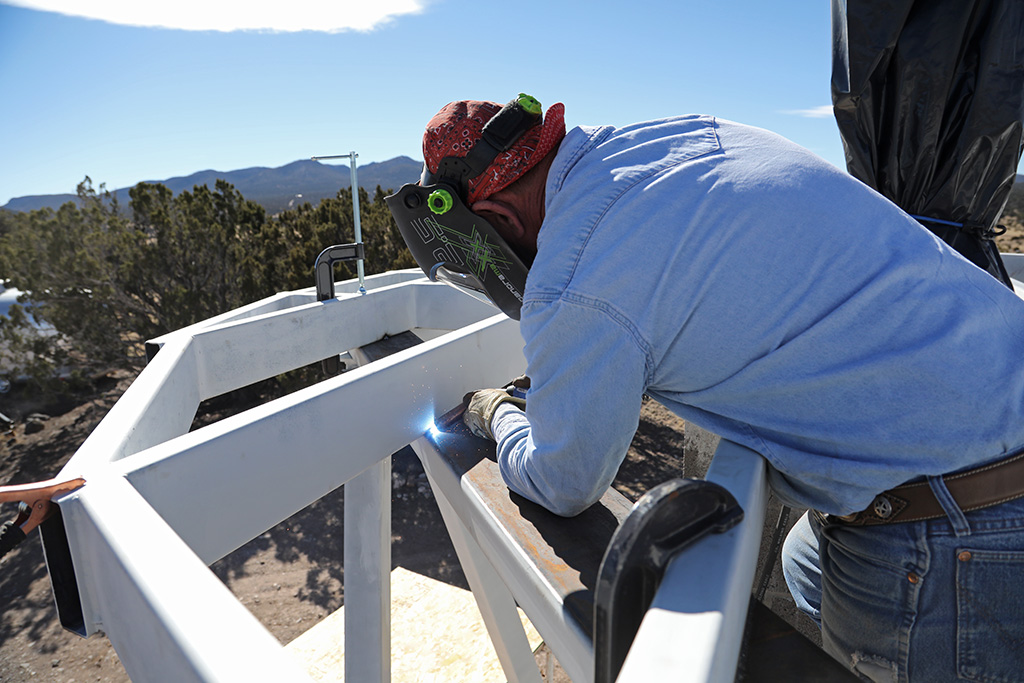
<point x="588" y="370"/>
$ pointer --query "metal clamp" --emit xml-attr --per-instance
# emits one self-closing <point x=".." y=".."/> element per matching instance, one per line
<point x="324" y="272"/>
<point x="324" y="268"/>
<point x="35" y="507"/>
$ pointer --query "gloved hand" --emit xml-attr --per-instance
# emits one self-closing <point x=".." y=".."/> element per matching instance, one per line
<point x="481" y="407"/>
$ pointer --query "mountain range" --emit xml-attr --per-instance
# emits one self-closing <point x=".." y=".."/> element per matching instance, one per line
<point x="276" y="189"/>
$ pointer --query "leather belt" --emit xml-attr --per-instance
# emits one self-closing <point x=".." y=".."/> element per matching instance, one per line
<point x="982" y="487"/>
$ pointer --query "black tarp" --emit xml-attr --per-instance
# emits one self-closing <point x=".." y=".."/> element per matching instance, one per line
<point x="929" y="98"/>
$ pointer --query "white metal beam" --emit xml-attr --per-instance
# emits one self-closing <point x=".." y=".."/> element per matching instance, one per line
<point x="208" y="359"/>
<point x="1014" y="265"/>
<point x="368" y="574"/>
<point x="275" y="459"/>
<point x="285" y="300"/>
<point x="495" y="601"/>
<point x="509" y="562"/>
<point x="167" y="615"/>
<point x="241" y="352"/>
<point x="159" y="405"/>
<point x="694" y="628"/>
<point x="220" y="486"/>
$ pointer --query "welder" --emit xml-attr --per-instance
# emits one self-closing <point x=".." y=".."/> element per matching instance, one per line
<point x="758" y="292"/>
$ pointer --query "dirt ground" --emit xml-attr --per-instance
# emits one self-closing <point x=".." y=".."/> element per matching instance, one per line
<point x="289" y="577"/>
<point x="1012" y="241"/>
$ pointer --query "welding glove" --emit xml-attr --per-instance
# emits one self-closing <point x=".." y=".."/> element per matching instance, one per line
<point x="481" y="408"/>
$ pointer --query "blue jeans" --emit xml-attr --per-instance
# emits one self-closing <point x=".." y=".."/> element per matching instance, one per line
<point x="932" y="601"/>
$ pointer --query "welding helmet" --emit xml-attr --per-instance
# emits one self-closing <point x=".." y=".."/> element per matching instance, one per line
<point x="472" y="147"/>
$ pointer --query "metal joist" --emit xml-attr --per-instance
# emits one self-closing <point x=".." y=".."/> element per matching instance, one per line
<point x="694" y="628"/>
<point x="161" y="504"/>
<point x="275" y="459"/>
<point x="220" y="486"/>
<point x="283" y="301"/>
<point x="167" y="615"/>
<point x="210" y="359"/>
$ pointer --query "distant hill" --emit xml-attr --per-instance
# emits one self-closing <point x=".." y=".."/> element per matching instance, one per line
<point x="39" y="201"/>
<point x="275" y="189"/>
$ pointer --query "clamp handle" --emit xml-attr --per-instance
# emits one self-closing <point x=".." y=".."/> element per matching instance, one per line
<point x="36" y="505"/>
<point x="10" y="535"/>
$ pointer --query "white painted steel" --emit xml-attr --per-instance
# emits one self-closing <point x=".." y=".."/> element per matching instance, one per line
<point x="285" y="300"/>
<point x="511" y="563"/>
<point x="1014" y="265"/>
<point x="694" y="629"/>
<point x="275" y="459"/>
<point x="162" y="503"/>
<point x="496" y="603"/>
<point x="159" y="405"/>
<point x="214" y="489"/>
<point x="167" y="615"/>
<point x="213" y="359"/>
<point x="368" y="574"/>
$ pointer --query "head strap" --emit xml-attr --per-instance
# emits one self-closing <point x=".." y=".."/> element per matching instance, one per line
<point x="497" y="136"/>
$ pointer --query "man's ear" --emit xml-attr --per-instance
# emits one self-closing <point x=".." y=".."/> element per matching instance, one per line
<point x="503" y="216"/>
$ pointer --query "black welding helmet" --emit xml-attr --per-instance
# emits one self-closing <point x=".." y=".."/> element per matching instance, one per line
<point x="456" y="246"/>
<point x="449" y="242"/>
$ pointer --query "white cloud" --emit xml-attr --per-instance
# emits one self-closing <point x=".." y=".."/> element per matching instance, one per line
<point x="329" y="16"/>
<point x="822" y="112"/>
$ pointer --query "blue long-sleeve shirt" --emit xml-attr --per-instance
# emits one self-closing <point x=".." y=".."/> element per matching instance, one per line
<point x="759" y="292"/>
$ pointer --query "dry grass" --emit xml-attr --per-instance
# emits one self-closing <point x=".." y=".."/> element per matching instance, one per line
<point x="1012" y="241"/>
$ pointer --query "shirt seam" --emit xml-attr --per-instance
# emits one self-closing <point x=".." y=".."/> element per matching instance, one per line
<point x="592" y="140"/>
<point x="615" y="199"/>
<point x="619" y="318"/>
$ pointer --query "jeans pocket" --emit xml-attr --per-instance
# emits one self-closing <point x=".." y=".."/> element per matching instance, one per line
<point x="990" y="615"/>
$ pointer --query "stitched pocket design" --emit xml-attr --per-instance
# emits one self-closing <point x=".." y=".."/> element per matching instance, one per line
<point x="990" y="615"/>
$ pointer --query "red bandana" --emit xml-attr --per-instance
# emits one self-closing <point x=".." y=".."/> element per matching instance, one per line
<point x="455" y="129"/>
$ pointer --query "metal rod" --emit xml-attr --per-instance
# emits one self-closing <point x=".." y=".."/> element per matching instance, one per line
<point x="352" y="156"/>
<point x="355" y="212"/>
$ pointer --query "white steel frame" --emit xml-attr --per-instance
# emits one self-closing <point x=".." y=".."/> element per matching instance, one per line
<point x="694" y="629"/>
<point x="162" y="503"/>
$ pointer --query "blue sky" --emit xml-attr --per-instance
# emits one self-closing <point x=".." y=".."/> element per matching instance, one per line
<point x="124" y="103"/>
